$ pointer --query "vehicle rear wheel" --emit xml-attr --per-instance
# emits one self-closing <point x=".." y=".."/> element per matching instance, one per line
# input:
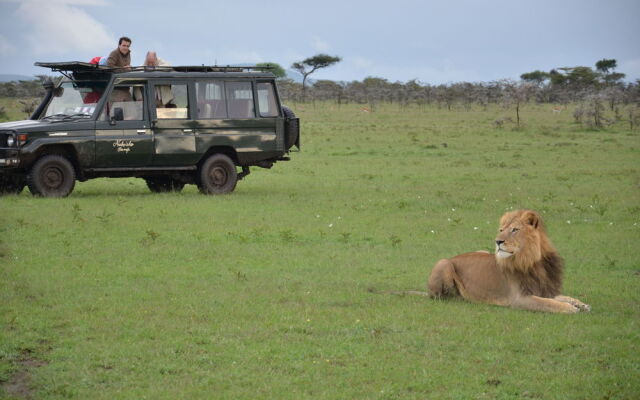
<point x="217" y="175"/>
<point x="11" y="185"/>
<point x="51" y="176"/>
<point x="164" y="184"/>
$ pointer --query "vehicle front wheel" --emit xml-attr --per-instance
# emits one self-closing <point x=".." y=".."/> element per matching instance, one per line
<point x="11" y="185"/>
<point x="217" y="175"/>
<point x="51" y="176"/>
<point x="164" y="184"/>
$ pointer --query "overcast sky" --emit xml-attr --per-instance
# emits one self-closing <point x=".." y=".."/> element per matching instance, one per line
<point x="432" y="41"/>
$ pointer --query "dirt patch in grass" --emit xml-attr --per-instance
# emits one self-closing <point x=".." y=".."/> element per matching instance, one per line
<point x="19" y="384"/>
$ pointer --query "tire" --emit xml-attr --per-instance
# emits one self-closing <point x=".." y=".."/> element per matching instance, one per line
<point x="217" y="175"/>
<point x="51" y="176"/>
<point x="292" y="129"/>
<point x="11" y="185"/>
<point x="164" y="184"/>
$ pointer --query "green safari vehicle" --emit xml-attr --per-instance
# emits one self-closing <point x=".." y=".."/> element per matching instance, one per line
<point x="171" y="126"/>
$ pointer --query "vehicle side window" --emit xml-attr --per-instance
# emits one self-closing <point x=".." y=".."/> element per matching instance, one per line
<point x="172" y="101"/>
<point x="267" y="100"/>
<point x="125" y="103"/>
<point x="211" y="102"/>
<point x="240" y="100"/>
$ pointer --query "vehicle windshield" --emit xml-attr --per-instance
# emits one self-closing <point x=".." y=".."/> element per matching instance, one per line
<point x="75" y="99"/>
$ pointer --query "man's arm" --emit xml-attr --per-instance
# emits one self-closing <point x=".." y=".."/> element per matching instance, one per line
<point x="112" y="61"/>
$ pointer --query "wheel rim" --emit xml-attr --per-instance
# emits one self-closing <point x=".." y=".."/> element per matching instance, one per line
<point x="52" y="177"/>
<point x="218" y="176"/>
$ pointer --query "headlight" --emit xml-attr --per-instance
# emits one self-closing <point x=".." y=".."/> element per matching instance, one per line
<point x="11" y="141"/>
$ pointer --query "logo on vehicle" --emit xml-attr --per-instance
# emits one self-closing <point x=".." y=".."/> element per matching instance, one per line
<point x="123" y="146"/>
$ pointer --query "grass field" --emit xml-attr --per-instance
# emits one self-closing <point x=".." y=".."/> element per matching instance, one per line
<point x="278" y="290"/>
<point x="13" y="109"/>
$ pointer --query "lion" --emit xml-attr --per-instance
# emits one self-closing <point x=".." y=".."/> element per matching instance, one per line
<point x="525" y="272"/>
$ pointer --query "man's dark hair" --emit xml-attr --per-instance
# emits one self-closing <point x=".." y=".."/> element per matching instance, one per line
<point x="124" y="39"/>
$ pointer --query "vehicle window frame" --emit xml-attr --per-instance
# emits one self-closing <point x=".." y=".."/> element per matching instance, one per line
<point x="276" y="99"/>
<point x="98" y="104"/>
<point x="191" y="106"/>
<point x="106" y="96"/>
<point x="253" y="95"/>
<point x="223" y="93"/>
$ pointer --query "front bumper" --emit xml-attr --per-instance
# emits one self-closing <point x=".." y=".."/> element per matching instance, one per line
<point x="9" y="161"/>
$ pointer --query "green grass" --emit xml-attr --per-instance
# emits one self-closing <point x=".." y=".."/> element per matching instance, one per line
<point x="277" y="291"/>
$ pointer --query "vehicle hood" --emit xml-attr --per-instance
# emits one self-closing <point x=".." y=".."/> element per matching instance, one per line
<point x="30" y="125"/>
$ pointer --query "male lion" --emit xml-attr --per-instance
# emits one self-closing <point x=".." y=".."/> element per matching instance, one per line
<point x="525" y="272"/>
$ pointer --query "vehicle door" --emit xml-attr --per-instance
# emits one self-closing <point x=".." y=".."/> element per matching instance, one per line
<point x="123" y="131"/>
<point x="173" y="126"/>
<point x="237" y="114"/>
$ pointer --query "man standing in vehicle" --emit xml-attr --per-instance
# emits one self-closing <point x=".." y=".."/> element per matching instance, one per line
<point x="121" y="57"/>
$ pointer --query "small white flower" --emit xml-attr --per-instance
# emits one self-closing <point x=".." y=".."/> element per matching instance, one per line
<point x="453" y="209"/>
<point x="568" y="222"/>
<point x="433" y="231"/>
<point x="317" y="215"/>
<point x="331" y="225"/>
<point x="475" y="228"/>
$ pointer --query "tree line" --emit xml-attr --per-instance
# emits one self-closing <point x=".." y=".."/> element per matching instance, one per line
<point x="602" y="85"/>
<point x="560" y="86"/>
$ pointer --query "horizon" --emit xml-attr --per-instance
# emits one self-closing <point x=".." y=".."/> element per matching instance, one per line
<point x="432" y="42"/>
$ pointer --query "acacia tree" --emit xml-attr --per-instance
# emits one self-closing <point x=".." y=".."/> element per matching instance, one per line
<point x="310" y="65"/>
<point x="538" y="77"/>
<point x="606" y="68"/>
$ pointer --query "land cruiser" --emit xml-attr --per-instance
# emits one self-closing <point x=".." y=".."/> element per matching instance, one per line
<point x="170" y="126"/>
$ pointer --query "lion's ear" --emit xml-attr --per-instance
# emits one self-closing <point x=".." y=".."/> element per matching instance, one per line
<point x="532" y="218"/>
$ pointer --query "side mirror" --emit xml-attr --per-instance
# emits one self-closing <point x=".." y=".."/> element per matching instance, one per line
<point x="48" y="84"/>
<point x="118" y="115"/>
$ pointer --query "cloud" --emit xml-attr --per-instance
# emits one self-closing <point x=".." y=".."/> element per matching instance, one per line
<point x="64" y="2"/>
<point x="361" y="63"/>
<point x="5" y="46"/>
<point x="320" y="45"/>
<point x="60" y="27"/>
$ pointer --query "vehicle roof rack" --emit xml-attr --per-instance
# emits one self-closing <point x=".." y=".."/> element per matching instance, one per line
<point x="78" y="66"/>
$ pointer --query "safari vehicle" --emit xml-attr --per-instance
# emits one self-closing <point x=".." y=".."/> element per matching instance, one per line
<point x="170" y="126"/>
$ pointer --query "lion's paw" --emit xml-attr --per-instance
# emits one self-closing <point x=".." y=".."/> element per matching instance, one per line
<point x="580" y="306"/>
<point x="583" y="307"/>
<point x="571" y="309"/>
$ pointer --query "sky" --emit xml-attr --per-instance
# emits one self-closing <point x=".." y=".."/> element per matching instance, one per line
<point x="432" y="41"/>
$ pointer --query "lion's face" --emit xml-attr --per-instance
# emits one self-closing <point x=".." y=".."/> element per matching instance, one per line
<point x="519" y="236"/>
